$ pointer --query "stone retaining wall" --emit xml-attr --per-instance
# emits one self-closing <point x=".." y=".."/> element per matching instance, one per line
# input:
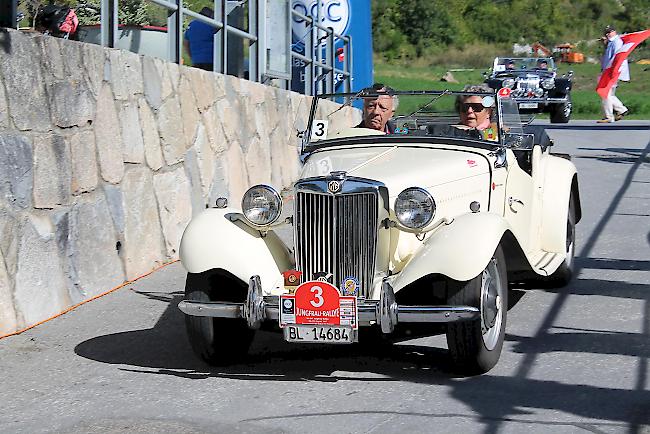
<point x="104" y="157"/>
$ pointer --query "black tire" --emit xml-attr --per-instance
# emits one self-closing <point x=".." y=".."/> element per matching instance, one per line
<point x="475" y="346"/>
<point x="561" y="113"/>
<point x="563" y="275"/>
<point x="217" y="341"/>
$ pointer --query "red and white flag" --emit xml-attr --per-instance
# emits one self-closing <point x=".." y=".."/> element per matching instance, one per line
<point x="610" y="74"/>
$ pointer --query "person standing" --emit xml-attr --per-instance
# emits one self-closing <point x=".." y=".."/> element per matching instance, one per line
<point x="613" y="108"/>
<point x="199" y="41"/>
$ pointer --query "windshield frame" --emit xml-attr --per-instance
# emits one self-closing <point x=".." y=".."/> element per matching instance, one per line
<point x="308" y="146"/>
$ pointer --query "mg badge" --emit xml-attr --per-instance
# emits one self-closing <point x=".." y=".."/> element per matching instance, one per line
<point x="334" y="186"/>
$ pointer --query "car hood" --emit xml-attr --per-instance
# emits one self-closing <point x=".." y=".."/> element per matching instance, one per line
<point x="400" y="167"/>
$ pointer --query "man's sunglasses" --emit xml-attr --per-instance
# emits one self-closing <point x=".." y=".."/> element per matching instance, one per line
<point x="476" y="107"/>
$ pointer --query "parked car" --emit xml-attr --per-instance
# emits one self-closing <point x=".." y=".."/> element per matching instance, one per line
<point x="535" y="85"/>
<point x="428" y="224"/>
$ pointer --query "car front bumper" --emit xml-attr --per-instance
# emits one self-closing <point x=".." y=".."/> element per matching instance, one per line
<point x="384" y="312"/>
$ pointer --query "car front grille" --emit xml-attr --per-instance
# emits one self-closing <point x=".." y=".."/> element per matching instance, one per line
<point x="528" y="83"/>
<point x="337" y="234"/>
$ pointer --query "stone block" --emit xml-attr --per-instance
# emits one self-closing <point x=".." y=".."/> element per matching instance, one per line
<point x="202" y="87"/>
<point x="24" y="83"/>
<point x="171" y="131"/>
<point x="84" y="162"/>
<point x="189" y="112"/>
<point x="173" y="195"/>
<point x="93" y="61"/>
<point x="150" y="137"/>
<point x="152" y="82"/>
<point x="174" y="72"/>
<point x="211" y="119"/>
<point x="8" y="319"/>
<point x="258" y="162"/>
<point x="143" y="242"/>
<point x="131" y="133"/>
<point x="95" y="264"/>
<point x="237" y="173"/>
<point x="71" y="103"/>
<point x="16" y="170"/>
<point x="125" y="74"/>
<point x="108" y="137"/>
<point x="193" y="173"/>
<point x="9" y="240"/>
<point x="52" y="59"/>
<point x="4" y="108"/>
<point x="40" y="289"/>
<point x="205" y="159"/>
<point x="52" y="171"/>
<point x="115" y="203"/>
<point x="230" y="120"/>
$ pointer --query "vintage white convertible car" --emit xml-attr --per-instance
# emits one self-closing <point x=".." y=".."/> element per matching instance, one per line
<point x="428" y="223"/>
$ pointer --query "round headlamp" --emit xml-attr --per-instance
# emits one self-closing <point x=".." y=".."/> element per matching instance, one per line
<point x="509" y="83"/>
<point x="415" y="208"/>
<point x="538" y="92"/>
<point x="548" y="83"/>
<point x="261" y="205"/>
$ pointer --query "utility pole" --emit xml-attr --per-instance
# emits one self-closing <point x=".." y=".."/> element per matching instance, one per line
<point x="8" y="13"/>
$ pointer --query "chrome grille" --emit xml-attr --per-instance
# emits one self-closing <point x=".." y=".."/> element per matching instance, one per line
<point x="337" y="234"/>
<point x="528" y="83"/>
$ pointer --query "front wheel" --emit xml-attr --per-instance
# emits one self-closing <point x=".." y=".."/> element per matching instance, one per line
<point x="217" y="341"/>
<point x="561" y="113"/>
<point x="475" y="346"/>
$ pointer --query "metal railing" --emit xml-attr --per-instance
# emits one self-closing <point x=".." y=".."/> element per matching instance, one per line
<point x="312" y="59"/>
<point x="320" y="66"/>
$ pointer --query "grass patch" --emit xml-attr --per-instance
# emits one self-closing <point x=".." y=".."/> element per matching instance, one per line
<point x="586" y="102"/>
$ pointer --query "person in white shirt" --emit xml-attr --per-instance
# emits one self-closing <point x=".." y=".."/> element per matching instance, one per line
<point x="613" y="108"/>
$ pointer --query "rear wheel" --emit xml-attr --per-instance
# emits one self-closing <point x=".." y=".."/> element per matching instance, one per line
<point x="561" y="113"/>
<point x="217" y="341"/>
<point x="475" y="346"/>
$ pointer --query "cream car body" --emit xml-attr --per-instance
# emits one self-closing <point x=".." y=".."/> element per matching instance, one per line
<point x="488" y="197"/>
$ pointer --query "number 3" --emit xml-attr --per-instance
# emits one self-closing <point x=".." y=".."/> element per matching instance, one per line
<point x="318" y="295"/>
<point x="320" y="131"/>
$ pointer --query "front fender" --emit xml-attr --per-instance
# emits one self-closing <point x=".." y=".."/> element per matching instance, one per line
<point x="217" y="239"/>
<point x="460" y="250"/>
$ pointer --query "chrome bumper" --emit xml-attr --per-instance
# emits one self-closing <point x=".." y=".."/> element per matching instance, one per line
<point x="386" y="312"/>
<point x="541" y="100"/>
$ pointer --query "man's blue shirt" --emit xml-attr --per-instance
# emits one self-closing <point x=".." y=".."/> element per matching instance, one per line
<point x="200" y="37"/>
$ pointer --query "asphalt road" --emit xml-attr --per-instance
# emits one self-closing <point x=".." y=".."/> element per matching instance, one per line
<point x="575" y="359"/>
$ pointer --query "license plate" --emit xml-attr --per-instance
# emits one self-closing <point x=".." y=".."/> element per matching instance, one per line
<point x="318" y="334"/>
<point x="528" y="105"/>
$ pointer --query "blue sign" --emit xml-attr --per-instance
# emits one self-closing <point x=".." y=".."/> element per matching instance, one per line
<point x="346" y="17"/>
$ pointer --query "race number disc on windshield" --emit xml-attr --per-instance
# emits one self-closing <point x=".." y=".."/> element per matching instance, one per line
<point x="318" y="303"/>
<point x="504" y="92"/>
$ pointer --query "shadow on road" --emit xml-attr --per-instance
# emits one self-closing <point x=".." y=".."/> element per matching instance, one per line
<point x="163" y="350"/>
<point x="599" y="127"/>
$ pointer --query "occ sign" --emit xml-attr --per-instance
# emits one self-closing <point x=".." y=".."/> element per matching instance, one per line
<point x="334" y="13"/>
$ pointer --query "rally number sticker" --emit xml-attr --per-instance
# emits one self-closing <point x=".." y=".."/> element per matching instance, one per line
<point x="319" y="129"/>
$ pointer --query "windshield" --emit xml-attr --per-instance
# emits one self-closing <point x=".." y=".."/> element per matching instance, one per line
<point x="478" y="117"/>
<point x="505" y="64"/>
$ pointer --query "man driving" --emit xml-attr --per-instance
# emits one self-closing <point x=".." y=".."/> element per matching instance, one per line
<point x="377" y="110"/>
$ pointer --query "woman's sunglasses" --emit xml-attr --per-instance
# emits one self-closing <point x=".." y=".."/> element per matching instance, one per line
<point x="476" y="107"/>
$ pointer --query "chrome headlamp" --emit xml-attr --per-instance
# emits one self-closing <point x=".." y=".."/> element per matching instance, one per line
<point x="508" y="82"/>
<point x="415" y="208"/>
<point x="539" y="92"/>
<point x="548" y="83"/>
<point x="261" y="205"/>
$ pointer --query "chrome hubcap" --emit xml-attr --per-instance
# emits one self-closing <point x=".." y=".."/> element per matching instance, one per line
<point x="491" y="305"/>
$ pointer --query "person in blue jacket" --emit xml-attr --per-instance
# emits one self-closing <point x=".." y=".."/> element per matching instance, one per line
<point x="199" y="42"/>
